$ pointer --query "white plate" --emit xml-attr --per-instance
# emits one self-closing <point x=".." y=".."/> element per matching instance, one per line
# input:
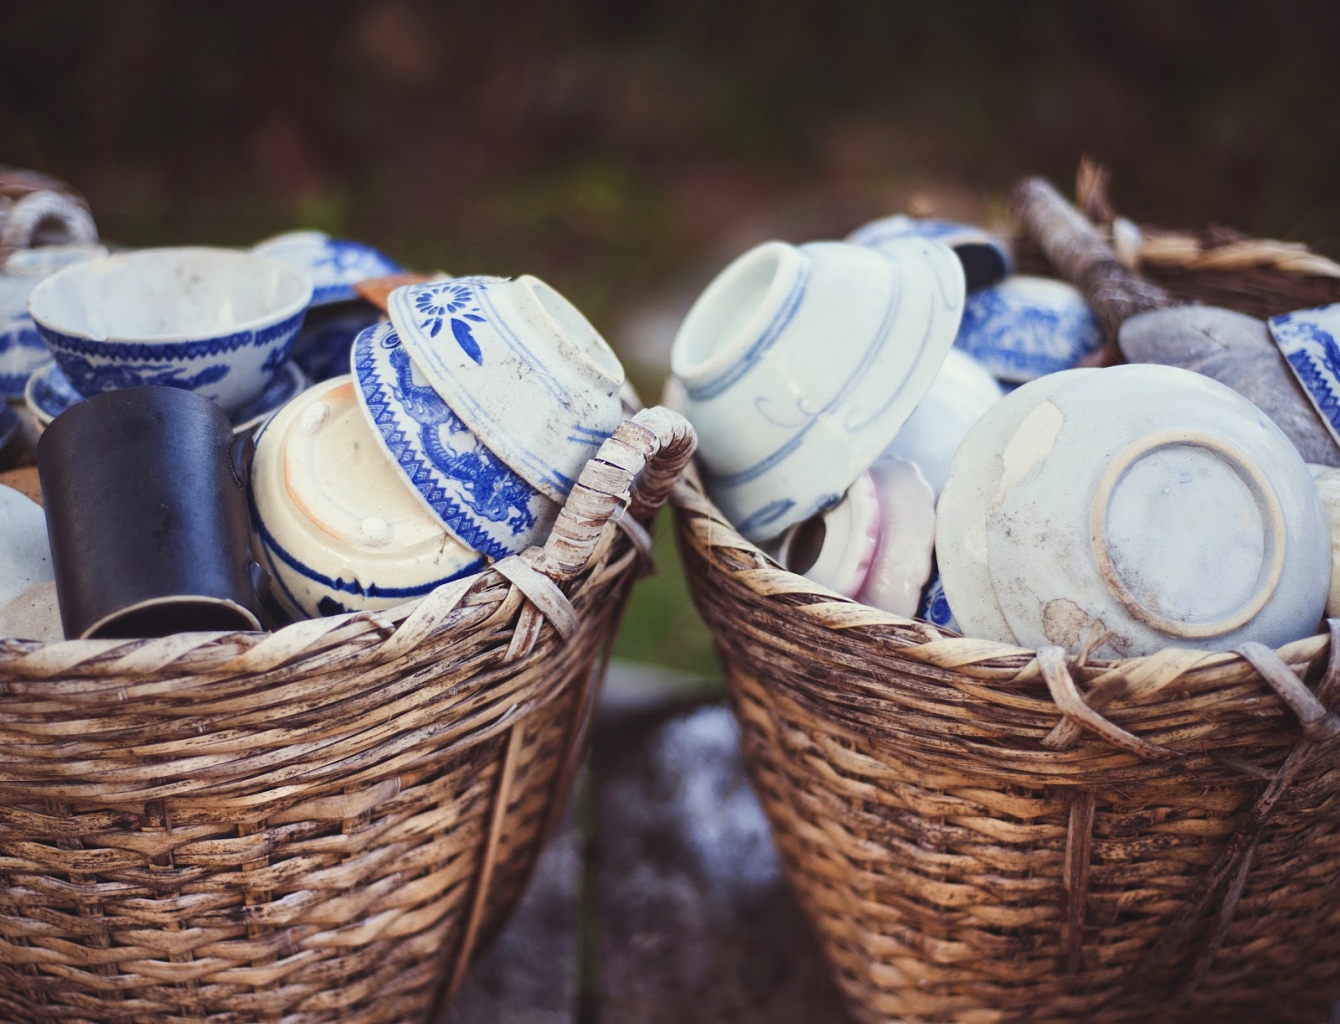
<point x="960" y="514"/>
<point x="1164" y="506"/>
<point x="25" y="555"/>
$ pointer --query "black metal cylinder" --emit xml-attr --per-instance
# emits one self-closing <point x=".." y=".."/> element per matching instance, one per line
<point x="145" y="496"/>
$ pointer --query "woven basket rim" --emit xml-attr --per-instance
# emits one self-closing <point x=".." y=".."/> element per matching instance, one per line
<point x="632" y="472"/>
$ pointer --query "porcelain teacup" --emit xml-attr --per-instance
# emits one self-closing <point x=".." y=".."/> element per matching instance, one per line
<point x="520" y="366"/>
<point x="800" y="364"/>
<point x="213" y="321"/>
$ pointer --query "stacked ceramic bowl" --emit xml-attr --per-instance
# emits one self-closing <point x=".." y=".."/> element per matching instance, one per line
<point x="801" y="368"/>
<point x="462" y="427"/>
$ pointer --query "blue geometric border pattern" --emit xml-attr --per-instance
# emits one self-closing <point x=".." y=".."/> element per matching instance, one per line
<point x="173" y="350"/>
<point x="1314" y="356"/>
<point x="506" y="520"/>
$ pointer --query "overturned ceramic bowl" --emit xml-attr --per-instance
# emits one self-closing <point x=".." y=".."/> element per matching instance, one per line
<point x="961" y="393"/>
<point x="332" y="521"/>
<point x="521" y="368"/>
<point x="22" y="350"/>
<point x="469" y="489"/>
<point x="1026" y="327"/>
<point x="901" y="565"/>
<point x="335" y="265"/>
<point x="1159" y="505"/>
<point x="985" y="258"/>
<point x="800" y="364"/>
<point x="837" y="548"/>
<point x="213" y="321"/>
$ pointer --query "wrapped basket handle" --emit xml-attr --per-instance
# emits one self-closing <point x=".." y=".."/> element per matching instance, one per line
<point x="635" y="469"/>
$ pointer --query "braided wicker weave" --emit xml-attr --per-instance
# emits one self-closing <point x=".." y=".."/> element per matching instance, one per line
<point x="319" y="824"/>
<point x="981" y="833"/>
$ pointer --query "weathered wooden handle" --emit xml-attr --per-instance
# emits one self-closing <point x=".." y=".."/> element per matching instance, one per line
<point x="1083" y="256"/>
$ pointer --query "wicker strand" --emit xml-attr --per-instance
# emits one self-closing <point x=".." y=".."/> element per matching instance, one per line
<point x="1249" y="829"/>
<point x="1075" y="880"/>
<point x="1051" y="662"/>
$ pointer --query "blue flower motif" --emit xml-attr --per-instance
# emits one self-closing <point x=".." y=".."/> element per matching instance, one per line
<point x="454" y="302"/>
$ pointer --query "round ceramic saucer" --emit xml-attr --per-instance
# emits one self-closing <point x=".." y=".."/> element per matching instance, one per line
<point x="1163" y="505"/>
<point x="965" y="502"/>
<point x="49" y="393"/>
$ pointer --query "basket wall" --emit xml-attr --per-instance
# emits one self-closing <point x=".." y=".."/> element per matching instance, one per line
<point x="321" y="824"/>
<point x="959" y="865"/>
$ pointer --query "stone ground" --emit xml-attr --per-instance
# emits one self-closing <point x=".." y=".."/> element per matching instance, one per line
<point x="662" y="898"/>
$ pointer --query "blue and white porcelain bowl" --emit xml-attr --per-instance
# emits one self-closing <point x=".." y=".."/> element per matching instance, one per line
<point x="520" y="366"/>
<point x="1026" y="327"/>
<point x="332" y="521"/>
<point x="22" y="350"/>
<point x="985" y="258"/>
<point x="1309" y="339"/>
<point x="799" y="366"/>
<point x="334" y="264"/>
<point x="469" y="489"/>
<point x="322" y="346"/>
<point x="49" y="393"/>
<point x="213" y="321"/>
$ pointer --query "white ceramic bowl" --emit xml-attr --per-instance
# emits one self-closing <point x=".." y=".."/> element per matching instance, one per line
<point x="1163" y="505"/>
<point x="961" y="393"/>
<point x="482" y="502"/>
<point x="213" y="321"/>
<point x="801" y="364"/>
<point x="1026" y="327"/>
<point x="902" y="562"/>
<point x="333" y="522"/>
<point x="520" y="366"/>
<point x="25" y="554"/>
<point x="964" y="504"/>
<point x="836" y="548"/>
<point x="335" y="265"/>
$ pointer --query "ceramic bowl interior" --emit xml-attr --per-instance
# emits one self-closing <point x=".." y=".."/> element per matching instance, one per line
<point x="733" y="309"/>
<point x="161" y="295"/>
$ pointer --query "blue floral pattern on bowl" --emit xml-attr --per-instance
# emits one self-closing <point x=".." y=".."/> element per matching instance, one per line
<point x="486" y="505"/>
<point x="22" y="353"/>
<point x="985" y="257"/>
<point x="49" y="393"/>
<point x="1026" y="327"/>
<point x="1308" y="340"/>
<point x="335" y="264"/>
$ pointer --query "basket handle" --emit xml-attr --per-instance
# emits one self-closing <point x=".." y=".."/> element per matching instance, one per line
<point x="635" y="469"/>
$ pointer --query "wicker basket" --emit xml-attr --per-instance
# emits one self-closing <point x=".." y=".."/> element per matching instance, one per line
<point x="319" y="824"/>
<point x="980" y="833"/>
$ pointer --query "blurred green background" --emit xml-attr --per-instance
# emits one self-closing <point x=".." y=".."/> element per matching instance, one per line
<point x="624" y="151"/>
